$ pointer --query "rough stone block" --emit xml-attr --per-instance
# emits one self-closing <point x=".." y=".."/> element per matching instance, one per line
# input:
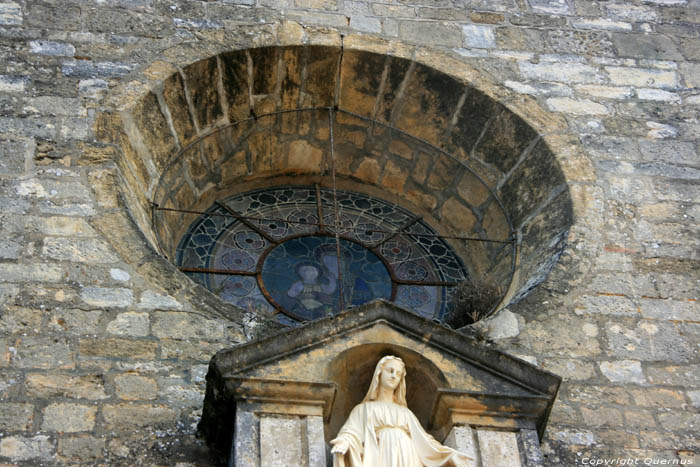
<point x="107" y="297"/>
<point x="180" y="325"/>
<point x="68" y="418"/>
<point x="130" y="324"/>
<point x="623" y="371"/>
<point x="137" y="349"/>
<point x="458" y="215"/>
<point x="571" y="73"/>
<point x="642" y="77"/>
<point x="462" y="439"/>
<point x="280" y="441"/>
<point x="135" y="387"/>
<point x="478" y="36"/>
<point x="653" y="46"/>
<point x="687" y="310"/>
<point x="50" y="386"/>
<point x="75" y="321"/>
<point x="576" y="106"/>
<point x="79" y="251"/>
<point x="16" y="417"/>
<point x="205" y="98"/>
<point x="10" y="14"/>
<point x="431" y="33"/>
<point x="178" y="108"/>
<point x="43" y="352"/>
<point x="498" y="448"/>
<point x="20" y="448"/>
<point x="10" y="381"/>
<point x="81" y="449"/>
<point x="124" y="418"/>
<point x="649" y="341"/>
<point x="16" y="320"/>
<point x="16" y="155"/>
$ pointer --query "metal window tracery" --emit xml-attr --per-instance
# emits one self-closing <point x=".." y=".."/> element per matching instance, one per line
<point x="275" y="251"/>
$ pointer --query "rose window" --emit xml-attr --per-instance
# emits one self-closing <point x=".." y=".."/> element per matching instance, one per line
<point x="302" y="253"/>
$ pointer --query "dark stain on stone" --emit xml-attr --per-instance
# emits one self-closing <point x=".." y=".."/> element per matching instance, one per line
<point x="202" y="79"/>
<point x="264" y="70"/>
<point x="531" y="184"/>
<point x="504" y="141"/>
<point x="476" y="111"/>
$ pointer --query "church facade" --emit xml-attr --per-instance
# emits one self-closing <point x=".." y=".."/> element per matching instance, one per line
<point x="182" y="178"/>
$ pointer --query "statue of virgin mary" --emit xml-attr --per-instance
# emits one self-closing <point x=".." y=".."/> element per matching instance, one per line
<point x="381" y="431"/>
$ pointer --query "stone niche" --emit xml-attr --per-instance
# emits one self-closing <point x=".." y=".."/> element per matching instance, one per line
<point x="278" y="401"/>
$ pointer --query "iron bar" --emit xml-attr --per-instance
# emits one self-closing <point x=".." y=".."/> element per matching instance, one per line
<point x="388" y="232"/>
<point x="335" y="212"/>
<point x="247" y="223"/>
<point x="406" y="225"/>
<point x="219" y="271"/>
<point x="426" y="283"/>
<point x="319" y="209"/>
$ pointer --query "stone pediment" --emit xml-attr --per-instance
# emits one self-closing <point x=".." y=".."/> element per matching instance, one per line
<point x="324" y="368"/>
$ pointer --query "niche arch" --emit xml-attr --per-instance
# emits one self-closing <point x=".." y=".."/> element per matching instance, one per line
<point x="439" y="143"/>
<point x="353" y="368"/>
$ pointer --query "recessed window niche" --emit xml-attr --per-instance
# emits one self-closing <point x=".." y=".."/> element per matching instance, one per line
<point x="394" y="131"/>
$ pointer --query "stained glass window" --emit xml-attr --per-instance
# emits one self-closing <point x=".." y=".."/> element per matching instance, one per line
<point x="274" y="251"/>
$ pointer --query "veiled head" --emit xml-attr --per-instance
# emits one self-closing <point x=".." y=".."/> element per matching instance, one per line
<point x="399" y="389"/>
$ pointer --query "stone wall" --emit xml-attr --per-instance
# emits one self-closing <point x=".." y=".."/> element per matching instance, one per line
<point x="104" y="345"/>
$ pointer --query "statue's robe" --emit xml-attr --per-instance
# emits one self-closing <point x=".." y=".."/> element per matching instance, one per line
<point x="384" y="434"/>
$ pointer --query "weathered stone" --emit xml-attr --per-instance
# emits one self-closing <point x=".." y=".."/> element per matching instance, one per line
<point x="124" y="418"/>
<point x="10" y="14"/>
<point x="81" y="251"/>
<point x="570" y="369"/>
<point x="16" y="417"/>
<point x="571" y="73"/>
<point x="180" y="325"/>
<point x="68" y="418"/>
<point x="431" y="33"/>
<point x="643" y="77"/>
<point x="43" y="352"/>
<point x="81" y="448"/>
<point x="576" y="107"/>
<point x="649" y="341"/>
<point x="623" y="371"/>
<point x="19" y="448"/>
<point x="280" y="441"/>
<point x="459" y="216"/>
<point x="658" y="397"/>
<point x="105" y="297"/>
<point x="602" y="416"/>
<point x="201" y="351"/>
<point x="135" y="387"/>
<point x="75" y="321"/>
<point x="129" y="324"/>
<point x="15" y="320"/>
<point x="50" y="386"/>
<point x="648" y="46"/>
<point x="503" y="325"/>
<point x="478" y="36"/>
<point x="573" y="337"/>
<point x="205" y="99"/>
<point x="687" y="375"/>
<point x="117" y="348"/>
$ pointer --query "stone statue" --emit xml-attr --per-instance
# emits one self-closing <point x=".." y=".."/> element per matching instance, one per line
<point x="382" y="432"/>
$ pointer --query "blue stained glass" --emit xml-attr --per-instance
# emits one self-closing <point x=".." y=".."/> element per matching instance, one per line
<point x="290" y="251"/>
<point x="303" y="277"/>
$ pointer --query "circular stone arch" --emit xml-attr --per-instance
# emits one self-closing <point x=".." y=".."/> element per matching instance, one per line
<point x="448" y="145"/>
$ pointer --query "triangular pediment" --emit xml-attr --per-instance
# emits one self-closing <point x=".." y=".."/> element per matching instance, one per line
<point x="448" y="373"/>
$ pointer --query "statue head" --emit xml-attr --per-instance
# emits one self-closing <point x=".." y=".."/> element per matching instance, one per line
<point x="399" y="389"/>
